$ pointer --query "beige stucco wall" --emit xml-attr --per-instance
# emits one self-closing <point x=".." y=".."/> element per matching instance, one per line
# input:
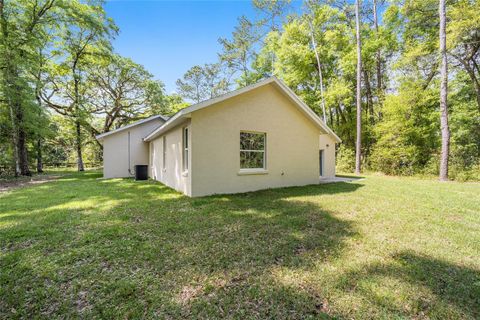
<point x="115" y="150"/>
<point x="327" y="143"/>
<point x="173" y="174"/>
<point x="292" y="144"/>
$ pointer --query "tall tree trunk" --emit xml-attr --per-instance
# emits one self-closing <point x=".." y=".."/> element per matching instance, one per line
<point x="39" y="156"/>
<point x="477" y="94"/>
<point x="320" y="75"/>
<point x="16" y="164"/>
<point x="23" y="154"/>
<point x="78" y="127"/>
<point x="337" y="116"/>
<point x="358" y="155"/>
<point x="368" y="91"/>
<point x="443" y="94"/>
<point x="6" y="78"/>
<point x="378" y="54"/>
<point x="78" y="142"/>
<point x="21" y="138"/>
<point x="39" y="103"/>
<point x="341" y="113"/>
<point x="330" y="117"/>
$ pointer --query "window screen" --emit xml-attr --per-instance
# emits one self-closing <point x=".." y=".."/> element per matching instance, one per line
<point x="252" y="150"/>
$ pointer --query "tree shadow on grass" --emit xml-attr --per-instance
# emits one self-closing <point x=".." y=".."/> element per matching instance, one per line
<point x="441" y="288"/>
<point x="119" y="248"/>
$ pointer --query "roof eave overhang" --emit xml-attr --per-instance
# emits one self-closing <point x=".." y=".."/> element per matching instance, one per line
<point x="178" y="118"/>
<point x="101" y="137"/>
<point x="171" y="123"/>
<point x="307" y="111"/>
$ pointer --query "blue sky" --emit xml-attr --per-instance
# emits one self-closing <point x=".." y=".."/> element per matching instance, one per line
<point x="169" y="37"/>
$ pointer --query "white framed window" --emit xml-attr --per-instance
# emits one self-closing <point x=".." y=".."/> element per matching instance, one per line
<point x="186" y="148"/>
<point x="164" y="152"/>
<point x="253" y="150"/>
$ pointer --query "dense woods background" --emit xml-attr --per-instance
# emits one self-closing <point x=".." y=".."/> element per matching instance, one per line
<point x="61" y="82"/>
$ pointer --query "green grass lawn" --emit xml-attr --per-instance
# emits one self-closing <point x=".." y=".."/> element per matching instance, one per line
<point x="383" y="247"/>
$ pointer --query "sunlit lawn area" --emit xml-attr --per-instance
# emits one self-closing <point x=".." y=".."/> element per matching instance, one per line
<point x="382" y="247"/>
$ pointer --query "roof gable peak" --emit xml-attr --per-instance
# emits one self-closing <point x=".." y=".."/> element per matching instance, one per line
<point x="177" y="118"/>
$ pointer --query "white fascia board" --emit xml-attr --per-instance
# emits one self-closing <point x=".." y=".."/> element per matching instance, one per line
<point x="307" y="110"/>
<point x="184" y="112"/>
<point x="177" y="118"/>
<point x="139" y="122"/>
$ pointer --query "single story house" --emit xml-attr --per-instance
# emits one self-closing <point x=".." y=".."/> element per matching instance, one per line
<point x="258" y="137"/>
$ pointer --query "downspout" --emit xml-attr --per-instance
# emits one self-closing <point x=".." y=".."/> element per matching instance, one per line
<point x="129" y="168"/>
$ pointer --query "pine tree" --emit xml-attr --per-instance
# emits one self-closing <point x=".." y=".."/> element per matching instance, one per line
<point x="443" y="94"/>
<point x="358" y="155"/>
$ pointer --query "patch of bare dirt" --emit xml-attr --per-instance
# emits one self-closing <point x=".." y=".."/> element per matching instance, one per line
<point x="6" y="185"/>
<point x="188" y="293"/>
